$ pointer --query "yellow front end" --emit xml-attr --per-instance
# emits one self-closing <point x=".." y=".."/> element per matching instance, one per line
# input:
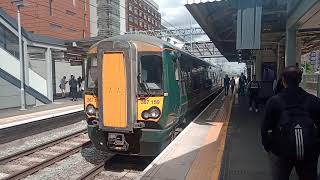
<point x="146" y="105"/>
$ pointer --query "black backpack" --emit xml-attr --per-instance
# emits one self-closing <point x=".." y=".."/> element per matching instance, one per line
<point x="296" y="135"/>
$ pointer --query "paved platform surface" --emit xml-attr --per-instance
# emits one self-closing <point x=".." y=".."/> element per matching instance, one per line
<point x="197" y="152"/>
<point x="14" y="116"/>
<point x="244" y="157"/>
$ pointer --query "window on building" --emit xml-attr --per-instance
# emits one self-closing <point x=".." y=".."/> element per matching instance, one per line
<point x="140" y="13"/>
<point x="85" y="20"/>
<point x="70" y="13"/>
<point x="136" y="21"/>
<point x="149" y="18"/>
<point x="145" y="17"/>
<point x="141" y="23"/>
<point x="50" y="8"/>
<point x="130" y="19"/>
<point x="9" y="41"/>
<point x="136" y="11"/>
<point x="55" y="26"/>
<point x="130" y="29"/>
<point x="130" y="7"/>
<point x="72" y="29"/>
<point x="152" y="21"/>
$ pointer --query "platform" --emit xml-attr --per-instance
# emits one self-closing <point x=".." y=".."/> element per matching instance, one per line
<point x="14" y="117"/>
<point x="187" y="157"/>
<point x="222" y="143"/>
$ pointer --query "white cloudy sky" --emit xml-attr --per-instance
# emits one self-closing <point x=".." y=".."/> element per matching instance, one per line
<point x="175" y="13"/>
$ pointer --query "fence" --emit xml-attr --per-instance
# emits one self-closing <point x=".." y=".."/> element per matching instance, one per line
<point x="311" y="83"/>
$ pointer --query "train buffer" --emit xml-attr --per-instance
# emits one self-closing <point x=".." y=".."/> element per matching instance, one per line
<point x="222" y="143"/>
<point x="14" y="117"/>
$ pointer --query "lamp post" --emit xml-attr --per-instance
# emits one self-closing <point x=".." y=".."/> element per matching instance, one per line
<point x="19" y="4"/>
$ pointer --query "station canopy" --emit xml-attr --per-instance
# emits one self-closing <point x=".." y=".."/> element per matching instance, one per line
<point x="219" y="20"/>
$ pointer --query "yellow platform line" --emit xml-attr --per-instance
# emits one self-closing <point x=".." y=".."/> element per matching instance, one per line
<point x="207" y="165"/>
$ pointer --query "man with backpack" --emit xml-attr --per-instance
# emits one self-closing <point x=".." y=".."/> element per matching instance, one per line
<point x="290" y="129"/>
<point x="242" y="84"/>
<point x="253" y="88"/>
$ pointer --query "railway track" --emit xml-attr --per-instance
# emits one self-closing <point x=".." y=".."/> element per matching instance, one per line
<point x="118" y="167"/>
<point x="25" y="163"/>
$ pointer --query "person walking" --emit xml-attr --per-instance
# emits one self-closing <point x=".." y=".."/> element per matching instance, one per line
<point x="73" y="88"/>
<point x="232" y="84"/>
<point x="290" y="129"/>
<point x="226" y="85"/>
<point x="62" y="86"/>
<point x="253" y="88"/>
<point x="242" y="84"/>
<point x="79" y="82"/>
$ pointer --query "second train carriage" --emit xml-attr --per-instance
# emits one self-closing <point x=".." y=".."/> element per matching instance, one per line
<point x="138" y="89"/>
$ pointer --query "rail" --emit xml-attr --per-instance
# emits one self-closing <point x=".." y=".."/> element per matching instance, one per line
<point x="47" y="161"/>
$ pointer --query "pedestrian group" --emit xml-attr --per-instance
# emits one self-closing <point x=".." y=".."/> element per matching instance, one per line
<point x="74" y="84"/>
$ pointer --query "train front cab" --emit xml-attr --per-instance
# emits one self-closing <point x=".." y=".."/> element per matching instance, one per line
<point x="127" y="102"/>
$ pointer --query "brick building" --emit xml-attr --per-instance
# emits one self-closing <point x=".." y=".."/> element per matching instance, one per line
<point x="64" y="19"/>
<point x="142" y="15"/>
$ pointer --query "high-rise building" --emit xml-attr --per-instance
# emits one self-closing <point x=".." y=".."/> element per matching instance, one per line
<point x="143" y="15"/>
<point x="116" y="17"/>
<point x="64" y="19"/>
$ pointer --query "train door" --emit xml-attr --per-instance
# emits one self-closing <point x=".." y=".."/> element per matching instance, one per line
<point x="114" y="90"/>
<point x="182" y="86"/>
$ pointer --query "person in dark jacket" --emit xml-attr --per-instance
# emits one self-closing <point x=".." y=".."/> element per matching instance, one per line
<point x="282" y="167"/>
<point x="279" y="86"/>
<point x="242" y="84"/>
<point x="73" y="88"/>
<point x="226" y="84"/>
<point x="254" y="89"/>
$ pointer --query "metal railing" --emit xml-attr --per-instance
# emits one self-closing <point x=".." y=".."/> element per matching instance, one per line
<point x="311" y="83"/>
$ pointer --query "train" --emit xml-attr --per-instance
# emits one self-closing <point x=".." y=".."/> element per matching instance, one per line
<point x="139" y="89"/>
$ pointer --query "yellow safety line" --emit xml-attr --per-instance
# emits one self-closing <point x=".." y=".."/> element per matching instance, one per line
<point x="217" y="170"/>
<point x="207" y="164"/>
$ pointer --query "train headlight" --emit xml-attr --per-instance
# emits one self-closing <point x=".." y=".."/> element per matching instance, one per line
<point x="145" y="115"/>
<point x="91" y="110"/>
<point x="154" y="112"/>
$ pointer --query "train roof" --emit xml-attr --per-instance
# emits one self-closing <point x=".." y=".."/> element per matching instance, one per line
<point x="141" y="38"/>
<point x="150" y="40"/>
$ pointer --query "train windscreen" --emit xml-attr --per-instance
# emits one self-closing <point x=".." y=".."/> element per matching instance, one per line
<point x="150" y="75"/>
<point x="92" y="73"/>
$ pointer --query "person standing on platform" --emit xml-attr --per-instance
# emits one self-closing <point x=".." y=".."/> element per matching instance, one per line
<point x="253" y="88"/>
<point x="62" y="86"/>
<point x="290" y="129"/>
<point x="226" y="85"/>
<point x="232" y="84"/>
<point x="242" y="84"/>
<point x="278" y="87"/>
<point x="73" y="88"/>
<point x="79" y="82"/>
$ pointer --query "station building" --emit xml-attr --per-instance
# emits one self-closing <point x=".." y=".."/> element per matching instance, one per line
<point x="44" y="61"/>
<point x="58" y="19"/>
